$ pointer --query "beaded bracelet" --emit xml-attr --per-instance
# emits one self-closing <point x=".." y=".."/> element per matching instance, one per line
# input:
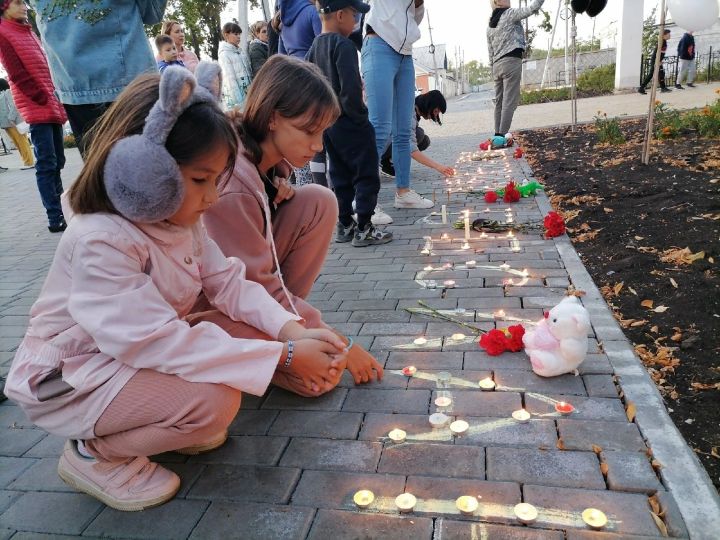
<point x="350" y="344"/>
<point x="291" y="349"/>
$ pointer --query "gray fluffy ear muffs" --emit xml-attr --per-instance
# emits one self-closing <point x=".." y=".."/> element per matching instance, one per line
<point x="142" y="180"/>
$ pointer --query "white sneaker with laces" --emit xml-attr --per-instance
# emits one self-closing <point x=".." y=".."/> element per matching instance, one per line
<point x="411" y="199"/>
<point x="380" y="217"/>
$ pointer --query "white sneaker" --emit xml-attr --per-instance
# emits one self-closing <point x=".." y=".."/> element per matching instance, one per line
<point x="380" y="217"/>
<point x="411" y="199"/>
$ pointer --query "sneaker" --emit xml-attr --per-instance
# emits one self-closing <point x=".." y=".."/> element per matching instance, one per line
<point x="371" y="237"/>
<point x="380" y="217"/>
<point x="344" y="234"/>
<point x="665" y="90"/>
<point x="641" y="90"/>
<point x="130" y="485"/>
<point x="679" y="87"/>
<point x="60" y="227"/>
<point x="216" y="442"/>
<point x="691" y="85"/>
<point x="411" y="199"/>
<point x="387" y="168"/>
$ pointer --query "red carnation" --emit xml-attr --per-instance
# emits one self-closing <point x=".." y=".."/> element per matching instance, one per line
<point x="484" y="145"/>
<point x="554" y="225"/>
<point x="491" y="196"/>
<point x="518" y="153"/>
<point x="511" y="193"/>
<point x="494" y="342"/>
<point x="515" y="342"/>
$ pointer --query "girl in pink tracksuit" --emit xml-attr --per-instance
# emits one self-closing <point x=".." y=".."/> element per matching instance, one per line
<point x="110" y="360"/>
<point x="282" y="233"/>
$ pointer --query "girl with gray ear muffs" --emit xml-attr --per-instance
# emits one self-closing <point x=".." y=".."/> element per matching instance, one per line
<point x="506" y="45"/>
<point x="111" y="360"/>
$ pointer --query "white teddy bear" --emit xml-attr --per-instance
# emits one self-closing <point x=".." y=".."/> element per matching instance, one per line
<point x="558" y="344"/>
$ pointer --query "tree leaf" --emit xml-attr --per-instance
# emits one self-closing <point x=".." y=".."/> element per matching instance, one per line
<point x="632" y="290"/>
<point x="608" y="210"/>
<point x="654" y="329"/>
<point x="639" y="238"/>
<point x="647" y="303"/>
<point x="618" y="287"/>
<point x="660" y="524"/>
<point x="560" y="444"/>
<point x="630" y="410"/>
<point x="673" y="283"/>
<point x="604" y="468"/>
<point x="661" y="309"/>
<point x="654" y="504"/>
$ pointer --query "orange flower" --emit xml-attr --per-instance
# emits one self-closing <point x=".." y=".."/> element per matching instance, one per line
<point x="706" y="111"/>
<point x="658" y="102"/>
<point x="666" y="130"/>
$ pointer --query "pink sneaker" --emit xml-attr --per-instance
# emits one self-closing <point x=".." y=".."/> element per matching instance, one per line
<point x="212" y="444"/>
<point x="130" y="485"/>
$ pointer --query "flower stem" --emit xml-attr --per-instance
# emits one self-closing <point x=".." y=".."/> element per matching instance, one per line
<point x="436" y="314"/>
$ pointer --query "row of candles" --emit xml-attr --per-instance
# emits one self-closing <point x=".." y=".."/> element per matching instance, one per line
<point x="525" y="513"/>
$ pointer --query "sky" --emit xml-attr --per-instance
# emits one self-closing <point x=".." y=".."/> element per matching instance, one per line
<point x="461" y="23"/>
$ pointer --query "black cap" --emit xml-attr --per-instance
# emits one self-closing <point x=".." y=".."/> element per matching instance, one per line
<point x="328" y="6"/>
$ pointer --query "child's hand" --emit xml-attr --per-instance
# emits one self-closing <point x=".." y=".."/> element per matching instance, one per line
<point x="323" y="334"/>
<point x="285" y="190"/>
<point x="361" y="365"/>
<point x="446" y="171"/>
<point x="318" y="364"/>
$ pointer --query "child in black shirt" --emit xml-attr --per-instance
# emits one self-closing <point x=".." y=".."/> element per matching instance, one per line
<point x="350" y="142"/>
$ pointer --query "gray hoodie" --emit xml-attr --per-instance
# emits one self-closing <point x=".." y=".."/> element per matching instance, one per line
<point x="507" y="34"/>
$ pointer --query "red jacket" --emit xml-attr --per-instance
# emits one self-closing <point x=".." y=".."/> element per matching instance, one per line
<point x="29" y="74"/>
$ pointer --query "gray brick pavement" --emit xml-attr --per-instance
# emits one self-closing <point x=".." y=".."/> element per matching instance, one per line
<point x="292" y="464"/>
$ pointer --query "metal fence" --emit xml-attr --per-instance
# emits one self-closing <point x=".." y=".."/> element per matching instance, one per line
<point x="708" y="67"/>
<point x="556" y="71"/>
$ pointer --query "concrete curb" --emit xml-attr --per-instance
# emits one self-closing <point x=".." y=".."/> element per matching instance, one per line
<point x="685" y="476"/>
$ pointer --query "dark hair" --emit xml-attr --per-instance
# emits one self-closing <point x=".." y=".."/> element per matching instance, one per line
<point x="197" y="131"/>
<point x="167" y="26"/>
<point x="161" y="40"/>
<point x="231" y="28"/>
<point x="291" y="88"/>
<point x="4" y="85"/>
<point x="666" y="31"/>
<point x="428" y="102"/>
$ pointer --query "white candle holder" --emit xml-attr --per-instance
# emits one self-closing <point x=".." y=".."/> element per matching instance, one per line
<point x="405" y="502"/>
<point x="397" y="435"/>
<point x="594" y="518"/>
<point x="467" y="505"/>
<point x="363" y="498"/>
<point x="525" y="513"/>
<point x="521" y="416"/>
<point x="438" y="420"/>
<point x="459" y="427"/>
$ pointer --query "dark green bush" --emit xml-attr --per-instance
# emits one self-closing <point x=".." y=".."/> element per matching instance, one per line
<point x="599" y="80"/>
<point x="544" y="96"/>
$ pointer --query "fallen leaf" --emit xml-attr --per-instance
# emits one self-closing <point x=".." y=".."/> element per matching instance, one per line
<point x="608" y="210"/>
<point x="618" y="287"/>
<point x="711" y="260"/>
<point x="661" y="309"/>
<point x="630" y="410"/>
<point x="673" y="283"/>
<point x="654" y="329"/>
<point x="705" y="386"/>
<point x="679" y="256"/>
<point x="715" y="451"/>
<point x="596" y="448"/>
<point x="660" y="524"/>
<point x="560" y="444"/>
<point x="638" y="323"/>
<point x="632" y="290"/>
<point x="654" y="504"/>
<point x="647" y="303"/>
<point x="604" y="468"/>
<point x="639" y="238"/>
<point x="677" y="336"/>
<point x="656" y="464"/>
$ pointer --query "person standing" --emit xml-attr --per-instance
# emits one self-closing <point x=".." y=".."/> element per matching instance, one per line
<point x="235" y="65"/>
<point x="9" y="120"/>
<point x="686" y="53"/>
<point x="258" y="48"/>
<point x="506" y="45"/>
<point x="389" y="74"/>
<point x="300" y="25"/>
<point x="661" y="73"/>
<point x="94" y="52"/>
<point x="175" y="30"/>
<point x="32" y="86"/>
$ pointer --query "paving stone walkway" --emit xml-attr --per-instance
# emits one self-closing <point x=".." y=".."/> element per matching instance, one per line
<point x="292" y="465"/>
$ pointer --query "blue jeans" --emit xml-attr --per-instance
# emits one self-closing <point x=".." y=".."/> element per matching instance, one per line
<point x="47" y="140"/>
<point x="390" y="89"/>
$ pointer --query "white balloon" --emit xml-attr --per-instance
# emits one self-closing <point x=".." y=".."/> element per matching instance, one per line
<point x="694" y="15"/>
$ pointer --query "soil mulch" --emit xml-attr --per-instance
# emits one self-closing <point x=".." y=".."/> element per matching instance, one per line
<point x="631" y="223"/>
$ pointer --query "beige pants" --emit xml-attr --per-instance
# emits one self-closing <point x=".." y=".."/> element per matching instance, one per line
<point x="23" y="145"/>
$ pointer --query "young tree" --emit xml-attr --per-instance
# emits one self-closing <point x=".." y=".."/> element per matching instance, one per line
<point x="477" y="73"/>
<point x="649" y="35"/>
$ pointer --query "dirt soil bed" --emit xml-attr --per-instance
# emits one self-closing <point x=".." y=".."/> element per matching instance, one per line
<point x="631" y="223"/>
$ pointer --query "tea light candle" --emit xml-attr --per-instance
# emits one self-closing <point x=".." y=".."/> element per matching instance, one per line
<point x="510" y="234"/>
<point x="487" y="384"/>
<point x="444" y="214"/>
<point x="525" y="272"/>
<point x="521" y="416"/>
<point x="504" y="266"/>
<point x="594" y="518"/>
<point x="443" y="401"/>
<point x="467" y="505"/>
<point x="499" y="314"/>
<point x="397" y="435"/>
<point x="449" y="284"/>
<point x="444" y="236"/>
<point x="459" y="427"/>
<point x="409" y="371"/>
<point x="405" y="502"/>
<point x="429" y="268"/>
<point x="467" y="224"/>
<point x="564" y="408"/>
<point x="487" y="209"/>
<point x="363" y="498"/>
<point x="420" y="341"/>
<point x="465" y="245"/>
<point x="460" y="310"/>
<point x="425" y="251"/>
<point x="483" y="235"/>
<point x="438" y="420"/>
<point x="457" y="337"/>
<point x="447" y="265"/>
<point x="470" y="264"/>
<point x="431" y="284"/>
<point x="525" y="513"/>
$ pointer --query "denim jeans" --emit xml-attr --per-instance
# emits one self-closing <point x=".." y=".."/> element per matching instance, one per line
<point x="390" y="89"/>
<point x="49" y="161"/>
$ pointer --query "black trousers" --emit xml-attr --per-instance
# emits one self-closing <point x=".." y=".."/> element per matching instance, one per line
<point x="353" y="169"/>
<point x="423" y="142"/>
<point x="82" y="118"/>
<point x="661" y="77"/>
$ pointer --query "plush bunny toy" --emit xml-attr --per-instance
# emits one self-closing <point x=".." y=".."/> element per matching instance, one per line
<point x="558" y="344"/>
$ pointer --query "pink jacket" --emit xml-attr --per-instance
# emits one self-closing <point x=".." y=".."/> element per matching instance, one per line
<point x="113" y="303"/>
<point x="240" y="224"/>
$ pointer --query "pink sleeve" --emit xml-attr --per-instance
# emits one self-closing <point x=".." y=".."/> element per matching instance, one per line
<point x="237" y="223"/>
<point x="120" y="307"/>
